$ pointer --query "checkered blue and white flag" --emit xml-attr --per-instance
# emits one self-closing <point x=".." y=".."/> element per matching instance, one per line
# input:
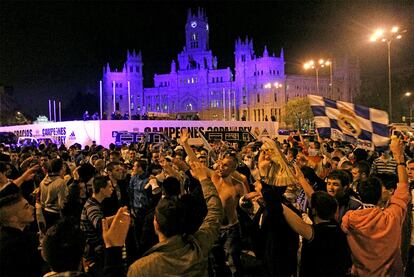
<point x="364" y="126"/>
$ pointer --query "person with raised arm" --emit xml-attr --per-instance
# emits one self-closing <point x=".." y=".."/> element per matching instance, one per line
<point x="19" y="254"/>
<point x="27" y="175"/>
<point x="273" y="239"/>
<point x="373" y="233"/>
<point x="230" y="190"/>
<point x="175" y="254"/>
<point x="323" y="238"/>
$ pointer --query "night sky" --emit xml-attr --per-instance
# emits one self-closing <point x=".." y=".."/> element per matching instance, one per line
<point x="56" y="49"/>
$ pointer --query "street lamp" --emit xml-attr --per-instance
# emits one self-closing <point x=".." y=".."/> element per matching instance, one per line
<point x="316" y="65"/>
<point x="388" y="36"/>
<point x="329" y="63"/>
<point x="408" y="94"/>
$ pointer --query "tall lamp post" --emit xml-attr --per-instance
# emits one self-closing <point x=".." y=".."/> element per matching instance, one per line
<point x="388" y="36"/>
<point x="317" y="65"/>
<point x="329" y="63"/>
<point x="409" y="94"/>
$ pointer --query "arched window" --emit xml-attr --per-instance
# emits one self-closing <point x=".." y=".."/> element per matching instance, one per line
<point x="189" y="107"/>
<point x="194" y="40"/>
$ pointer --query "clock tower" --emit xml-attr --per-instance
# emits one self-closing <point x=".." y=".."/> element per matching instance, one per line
<point x="196" y="31"/>
<point x="196" y="53"/>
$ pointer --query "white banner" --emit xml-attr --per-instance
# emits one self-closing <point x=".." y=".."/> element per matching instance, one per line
<point x="84" y="132"/>
<point x="66" y="132"/>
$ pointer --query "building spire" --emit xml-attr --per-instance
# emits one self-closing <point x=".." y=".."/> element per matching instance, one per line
<point x="282" y="54"/>
<point x="189" y="14"/>
<point x="265" y="53"/>
<point x="237" y="43"/>
<point x="173" y="67"/>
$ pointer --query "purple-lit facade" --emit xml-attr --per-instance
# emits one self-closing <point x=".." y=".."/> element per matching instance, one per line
<point x="257" y="88"/>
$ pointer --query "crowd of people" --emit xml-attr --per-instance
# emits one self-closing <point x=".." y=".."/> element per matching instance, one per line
<point x="117" y="115"/>
<point x="292" y="208"/>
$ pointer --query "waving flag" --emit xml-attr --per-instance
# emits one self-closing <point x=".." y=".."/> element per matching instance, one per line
<point x="364" y="126"/>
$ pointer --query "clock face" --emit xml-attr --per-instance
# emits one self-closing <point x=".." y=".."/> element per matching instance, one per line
<point x="193" y="24"/>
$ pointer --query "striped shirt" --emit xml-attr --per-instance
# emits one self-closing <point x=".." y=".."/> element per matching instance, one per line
<point x="380" y="166"/>
<point x="91" y="225"/>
